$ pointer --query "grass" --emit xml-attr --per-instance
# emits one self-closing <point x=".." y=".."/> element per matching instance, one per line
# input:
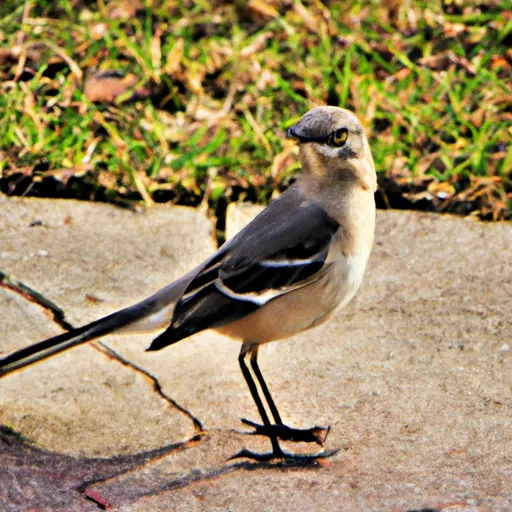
<point x="188" y="102"/>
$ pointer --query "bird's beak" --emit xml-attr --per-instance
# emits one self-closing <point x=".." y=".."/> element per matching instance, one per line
<point x="290" y="133"/>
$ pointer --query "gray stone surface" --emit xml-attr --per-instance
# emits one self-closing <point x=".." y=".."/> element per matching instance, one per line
<point x="90" y="259"/>
<point x="82" y="250"/>
<point x="413" y="376"/>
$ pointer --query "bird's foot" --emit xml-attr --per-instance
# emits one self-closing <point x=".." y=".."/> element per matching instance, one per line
<point x="286" y="457"/>
<point x="316" y="434"/>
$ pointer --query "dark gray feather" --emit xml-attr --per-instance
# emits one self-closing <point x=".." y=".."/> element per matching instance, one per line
<point x="293" y="229"/>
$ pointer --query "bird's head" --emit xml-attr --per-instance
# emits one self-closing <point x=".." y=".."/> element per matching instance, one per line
<point x="332" y="142"/>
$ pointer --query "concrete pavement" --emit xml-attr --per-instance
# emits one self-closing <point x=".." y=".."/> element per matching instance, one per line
<point x="413" y="376"/>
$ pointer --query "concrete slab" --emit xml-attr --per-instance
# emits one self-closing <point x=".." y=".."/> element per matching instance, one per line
<point x="90" y="259"/>
<point x="413" y="376"/>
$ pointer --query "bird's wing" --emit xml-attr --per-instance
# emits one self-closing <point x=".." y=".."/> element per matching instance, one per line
<point x="284" y="248"/>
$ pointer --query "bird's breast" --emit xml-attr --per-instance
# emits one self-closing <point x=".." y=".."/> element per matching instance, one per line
<point x="303" y="308"/>
<point x="345" y="278"/>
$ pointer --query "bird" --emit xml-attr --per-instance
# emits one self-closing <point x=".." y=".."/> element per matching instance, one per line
<point x="289" y="270"/>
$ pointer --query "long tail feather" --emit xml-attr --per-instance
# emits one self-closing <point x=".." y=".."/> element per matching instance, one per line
<point x="51" y="346"/>
<point x="148" y="315"/>
<point x="46" y="348"/>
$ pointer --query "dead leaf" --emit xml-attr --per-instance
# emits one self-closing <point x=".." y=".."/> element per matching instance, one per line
<point x="106" y="86"/>
<point x="98" y="31"/>
<point x="454" y="29"/>
<point x="174" y="57"/>
<point x="402" y="74"/>
<point x="444" y="60"/>
<point x="257" y="45"/>
<point x="263" y="9"/>
<point x="442" y="190"/>
<point x="499" y="61"/>
<point x="313" y="23"/>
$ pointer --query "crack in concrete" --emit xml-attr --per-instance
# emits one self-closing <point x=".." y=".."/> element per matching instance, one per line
<point x="59" y="318"/>
<point x="30" y="294"/>
<point x="141" y="460"/>
<point x="86" y="488"/>
<point x="109" y="352"/>
<point x="32" y="483"/>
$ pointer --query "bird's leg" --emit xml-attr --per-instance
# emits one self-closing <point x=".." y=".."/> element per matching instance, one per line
<point x="276" y="449"/>
<point x="264" y="387"/>
<point x="315" y="434"/>
<point x="272" y="431"/>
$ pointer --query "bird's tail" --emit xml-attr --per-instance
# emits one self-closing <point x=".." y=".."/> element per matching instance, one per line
<point x="46" y="348"/>
<point x="148" y="315"/>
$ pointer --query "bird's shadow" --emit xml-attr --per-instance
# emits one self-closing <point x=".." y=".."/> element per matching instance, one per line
<point x="35" y="477"/>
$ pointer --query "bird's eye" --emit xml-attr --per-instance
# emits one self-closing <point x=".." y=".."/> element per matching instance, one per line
<point x="339" y="137"/>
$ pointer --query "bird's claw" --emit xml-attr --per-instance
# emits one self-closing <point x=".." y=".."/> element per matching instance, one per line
<point x="315" y="434"/>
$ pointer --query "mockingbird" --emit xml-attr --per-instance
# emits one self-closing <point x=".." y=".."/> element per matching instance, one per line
<point x="288" y="270"/>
